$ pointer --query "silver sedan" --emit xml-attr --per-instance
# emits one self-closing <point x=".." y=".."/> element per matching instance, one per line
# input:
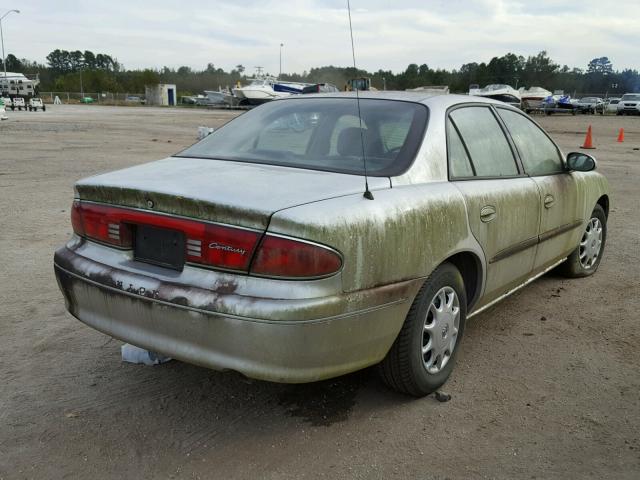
<point x="322" y="234"/>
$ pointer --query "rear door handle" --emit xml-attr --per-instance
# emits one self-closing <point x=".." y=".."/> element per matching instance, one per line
<point x="549" y="201"/>
<point x="488" y="213"/>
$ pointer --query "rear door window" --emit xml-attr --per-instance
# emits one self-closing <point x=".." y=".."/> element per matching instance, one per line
<point x="486" y="143"/>
<point x="538" y="153"/>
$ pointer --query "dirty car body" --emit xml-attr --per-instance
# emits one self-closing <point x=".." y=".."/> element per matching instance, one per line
<point x="256" y="251"/>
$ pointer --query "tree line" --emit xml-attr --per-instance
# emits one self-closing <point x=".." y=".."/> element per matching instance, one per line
<point x="101" y="72"/>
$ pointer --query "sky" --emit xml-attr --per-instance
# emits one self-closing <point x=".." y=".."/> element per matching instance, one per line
<point x="388" y="35"/>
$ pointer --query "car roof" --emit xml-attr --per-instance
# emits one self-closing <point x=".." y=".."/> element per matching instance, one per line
<point x="433" y="100"/>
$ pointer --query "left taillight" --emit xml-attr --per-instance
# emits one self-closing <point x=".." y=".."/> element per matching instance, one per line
<point x="101" y="223"/>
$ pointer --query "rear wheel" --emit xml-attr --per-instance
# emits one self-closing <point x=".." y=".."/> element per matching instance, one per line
<point x="584" y="260"/>
<point x="423" y="355"/>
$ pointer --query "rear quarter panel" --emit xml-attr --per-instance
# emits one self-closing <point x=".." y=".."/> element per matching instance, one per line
<point x="404" y="233"/>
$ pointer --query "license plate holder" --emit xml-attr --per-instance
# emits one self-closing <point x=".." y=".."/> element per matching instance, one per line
<point x="160" y="246"/>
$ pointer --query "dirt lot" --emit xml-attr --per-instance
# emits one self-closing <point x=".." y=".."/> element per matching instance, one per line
<point x="547" y="385"/>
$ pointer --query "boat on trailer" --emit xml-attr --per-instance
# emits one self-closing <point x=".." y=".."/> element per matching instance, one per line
<point x="533" y="98"/>
<point x="504" y="93"/>
<point x="264" y="88"/>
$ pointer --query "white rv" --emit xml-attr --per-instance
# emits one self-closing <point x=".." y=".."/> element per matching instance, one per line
<point x="17" y="84"/>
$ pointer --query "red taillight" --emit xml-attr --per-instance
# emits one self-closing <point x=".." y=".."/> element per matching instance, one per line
<point x="210" y="244"/>
<point x="283" y="257"/>
<point x="219" y="246"/>
<point x="100" y="223"/>
<point x="205" y="243"/>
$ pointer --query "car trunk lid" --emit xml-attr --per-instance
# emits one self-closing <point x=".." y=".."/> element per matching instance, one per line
<point x="227" y="192"/>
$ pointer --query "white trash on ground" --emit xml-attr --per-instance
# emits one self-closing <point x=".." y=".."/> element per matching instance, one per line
<point x="204" y="132"/>
<point x="132" y="354"/>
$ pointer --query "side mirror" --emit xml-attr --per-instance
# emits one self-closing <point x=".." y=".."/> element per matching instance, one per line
<point x="581" y="162"/>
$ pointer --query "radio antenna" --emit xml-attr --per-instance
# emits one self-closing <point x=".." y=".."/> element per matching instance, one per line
<point x="367" y="193"/>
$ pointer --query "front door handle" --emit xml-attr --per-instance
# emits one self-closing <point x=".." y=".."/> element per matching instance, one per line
<point x="488" y="213"/>
<point x="549" y="201"/>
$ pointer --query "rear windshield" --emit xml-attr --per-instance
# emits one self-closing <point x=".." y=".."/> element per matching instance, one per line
<point x="631" y="97"/>
<point x="322" y="134"/>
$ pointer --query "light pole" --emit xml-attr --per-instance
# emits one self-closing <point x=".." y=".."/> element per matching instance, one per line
<point x="4" y="59"/>
<point x="280" y="74"/>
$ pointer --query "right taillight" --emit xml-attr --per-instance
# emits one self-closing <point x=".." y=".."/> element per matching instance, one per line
<point x="288" y="258"/>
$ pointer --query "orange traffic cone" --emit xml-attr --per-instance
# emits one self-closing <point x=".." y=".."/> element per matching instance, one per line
<point x="621" y="136"/>
<point x="588" y="141"/>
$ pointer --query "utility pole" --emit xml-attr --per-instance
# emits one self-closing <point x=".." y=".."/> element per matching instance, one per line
<point x="81" y="89"/>
<point x="279" y="74"/>
<point x="4" y="59"/>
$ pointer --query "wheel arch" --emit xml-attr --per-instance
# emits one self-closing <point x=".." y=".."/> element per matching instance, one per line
<point x="470" y="267"/>
<point x="603" y="201"/>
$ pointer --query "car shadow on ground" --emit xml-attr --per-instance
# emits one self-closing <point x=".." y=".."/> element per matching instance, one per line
<point x="319" y="404"/>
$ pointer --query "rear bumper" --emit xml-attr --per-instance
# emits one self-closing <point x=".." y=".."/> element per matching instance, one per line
<point x="293" y="341"/>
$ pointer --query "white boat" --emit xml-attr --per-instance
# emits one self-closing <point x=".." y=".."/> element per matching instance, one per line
<point x="264" y="89"/>
<point x="504" y="93"/>
<point x="533" y="97"/>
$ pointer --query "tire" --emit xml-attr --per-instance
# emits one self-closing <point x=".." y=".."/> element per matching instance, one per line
<point x="591" y="247"/>
<point x="406" y="368"/>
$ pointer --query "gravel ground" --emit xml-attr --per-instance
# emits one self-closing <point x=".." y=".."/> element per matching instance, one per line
<point x="547" y="384"/>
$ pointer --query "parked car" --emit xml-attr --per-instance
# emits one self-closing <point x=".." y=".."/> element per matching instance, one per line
<point x="320" y="88"/>
<point x="612" y="105"/>
<point x="255" y="250"/>
<point x="590" y="104"/>
<point x="16" y="103"/>
<point x="35" y="104"/>
<point x="134" y="99"/>
<point x="629" y="104"/>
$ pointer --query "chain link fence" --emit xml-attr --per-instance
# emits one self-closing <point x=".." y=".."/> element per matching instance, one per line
<point x="90" y="97"/>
